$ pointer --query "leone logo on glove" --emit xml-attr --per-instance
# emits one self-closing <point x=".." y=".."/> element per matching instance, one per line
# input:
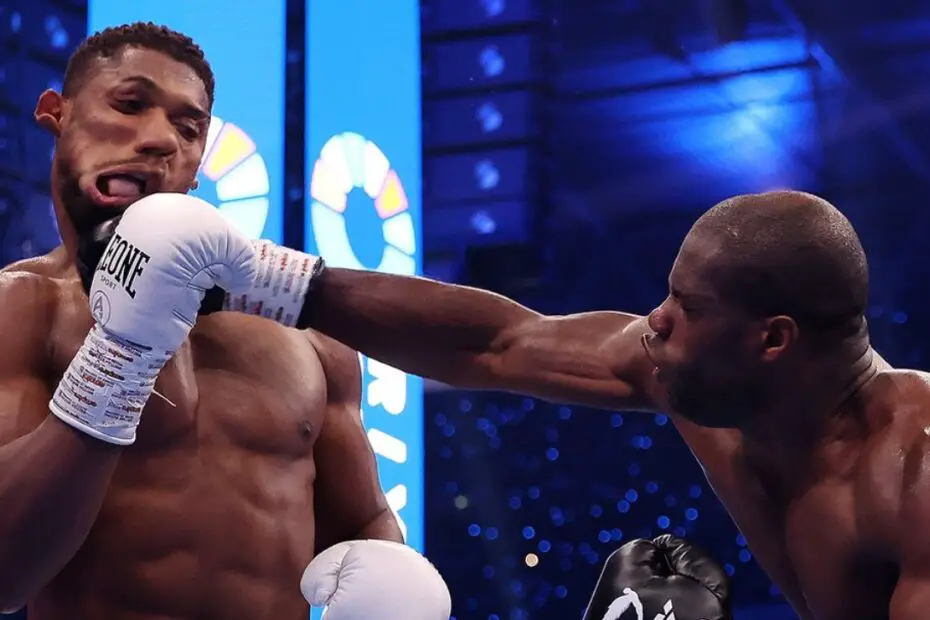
<point x="122" y="264"/>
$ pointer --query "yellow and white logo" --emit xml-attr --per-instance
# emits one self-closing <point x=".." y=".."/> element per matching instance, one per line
<point x="233" y="165"/>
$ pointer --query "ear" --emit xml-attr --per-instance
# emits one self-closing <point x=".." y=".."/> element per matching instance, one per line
<point x="195" y="184"/>
<point x="781" y="332"/>
<point x="49" y="112"/>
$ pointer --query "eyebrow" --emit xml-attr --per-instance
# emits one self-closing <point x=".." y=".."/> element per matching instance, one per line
<point x="679" y="294"/>
<point x="190" y="110"/>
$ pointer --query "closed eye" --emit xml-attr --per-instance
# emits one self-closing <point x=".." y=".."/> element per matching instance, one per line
<point x="130" y="105"/>
<point x="189" y="132"/>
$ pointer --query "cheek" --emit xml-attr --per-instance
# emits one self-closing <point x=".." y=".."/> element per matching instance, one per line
<point x="697" y="345"/>
<point x="686" y="340"/>
<point x="184" y="173"/>
<point x="89" y="144"/>
<point x="105" y="125"/>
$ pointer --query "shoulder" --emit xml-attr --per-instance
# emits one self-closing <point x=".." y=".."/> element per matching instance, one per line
<point x="48" y="265"/>
<point x="37" y="280"/>
<point x="23" y="289"/>
<point x="29" y="303"/>
<point x="341" y="365"/>
<point x="894" y="479"/>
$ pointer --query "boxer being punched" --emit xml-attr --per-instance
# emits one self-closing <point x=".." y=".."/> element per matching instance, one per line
<point x="817" y="447"/>
<point x="210" y="500"/>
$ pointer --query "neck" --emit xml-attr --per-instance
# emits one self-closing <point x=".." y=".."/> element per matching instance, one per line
<point x="66" y="228"/>
<point x="820" y="401"/>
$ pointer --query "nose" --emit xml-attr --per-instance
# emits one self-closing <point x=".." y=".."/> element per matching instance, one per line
<point x="157" y="136"/>
<point x="659" y="321"/>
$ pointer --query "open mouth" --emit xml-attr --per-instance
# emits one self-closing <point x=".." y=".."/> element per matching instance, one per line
<point x="120" y="188"/>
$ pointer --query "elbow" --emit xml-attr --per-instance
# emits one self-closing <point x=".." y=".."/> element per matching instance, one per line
<point x="491" y="362"/>
<point x="500" y="366"/>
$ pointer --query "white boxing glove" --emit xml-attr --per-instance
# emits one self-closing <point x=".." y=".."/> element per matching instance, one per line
<point x="166" y="252"/>
<point x="362" y="579"/>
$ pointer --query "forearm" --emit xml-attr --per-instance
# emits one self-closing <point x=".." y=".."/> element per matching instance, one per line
<point x="382" y="527"/>
<point x="52" y="484"/>
<point x="442" y="328"/>
<point x="329" y="532"/>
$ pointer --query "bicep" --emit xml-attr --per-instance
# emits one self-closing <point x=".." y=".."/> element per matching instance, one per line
<point x="593" y="359"/>
<point x="347" y="490"/>
<point x="24" y="387"/>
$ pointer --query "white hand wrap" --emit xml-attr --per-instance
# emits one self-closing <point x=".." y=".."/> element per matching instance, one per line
<point x="104" y="390"/>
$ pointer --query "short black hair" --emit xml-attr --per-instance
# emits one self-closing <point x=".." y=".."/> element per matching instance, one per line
<point x="789" y="253"/>
<point x="108" y="42"/>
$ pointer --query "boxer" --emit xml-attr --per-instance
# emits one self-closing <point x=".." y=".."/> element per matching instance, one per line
<point x="212" y="468"/>
<point x="760" y="352"/>
<point x="666" y="578"/>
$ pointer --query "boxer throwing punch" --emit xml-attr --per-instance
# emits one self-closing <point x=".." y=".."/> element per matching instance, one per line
<point x="817" y="447"/>
<point x="210" y="498"/>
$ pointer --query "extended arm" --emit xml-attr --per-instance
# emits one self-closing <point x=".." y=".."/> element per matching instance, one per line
<point x="477" y="339"/>
<point x="459" y="335"/>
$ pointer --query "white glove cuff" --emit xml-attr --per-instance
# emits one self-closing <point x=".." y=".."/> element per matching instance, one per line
<point x="106" y="386"/>
<point x="281" y="284"/>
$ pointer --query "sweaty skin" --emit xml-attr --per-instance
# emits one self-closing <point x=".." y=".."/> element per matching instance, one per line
<point x="833" y="495"/>
<point x="226" y="496"/>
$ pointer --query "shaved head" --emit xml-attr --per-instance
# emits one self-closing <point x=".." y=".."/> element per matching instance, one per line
<point x="785" y="253"/>
<point x="766" y="288"/>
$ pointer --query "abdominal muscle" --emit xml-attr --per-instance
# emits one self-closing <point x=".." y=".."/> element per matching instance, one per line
<point x="224" y="535"/>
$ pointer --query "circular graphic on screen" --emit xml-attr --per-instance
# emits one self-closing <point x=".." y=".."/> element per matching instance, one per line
<point x="349" y="162"/>
<point x="236" y="172"/>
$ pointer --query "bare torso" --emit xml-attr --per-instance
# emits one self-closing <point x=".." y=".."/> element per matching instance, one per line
<point x="828" y="539"/>
<point x="210" y="513"/>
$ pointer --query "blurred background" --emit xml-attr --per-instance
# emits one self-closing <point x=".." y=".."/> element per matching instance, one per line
<point x="552" y="150"/>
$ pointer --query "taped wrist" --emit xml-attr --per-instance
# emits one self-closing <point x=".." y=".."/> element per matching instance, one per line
<point x="106" y="386"/>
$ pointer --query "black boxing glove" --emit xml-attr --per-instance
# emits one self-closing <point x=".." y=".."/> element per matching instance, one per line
<point x="666" y="578"/>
